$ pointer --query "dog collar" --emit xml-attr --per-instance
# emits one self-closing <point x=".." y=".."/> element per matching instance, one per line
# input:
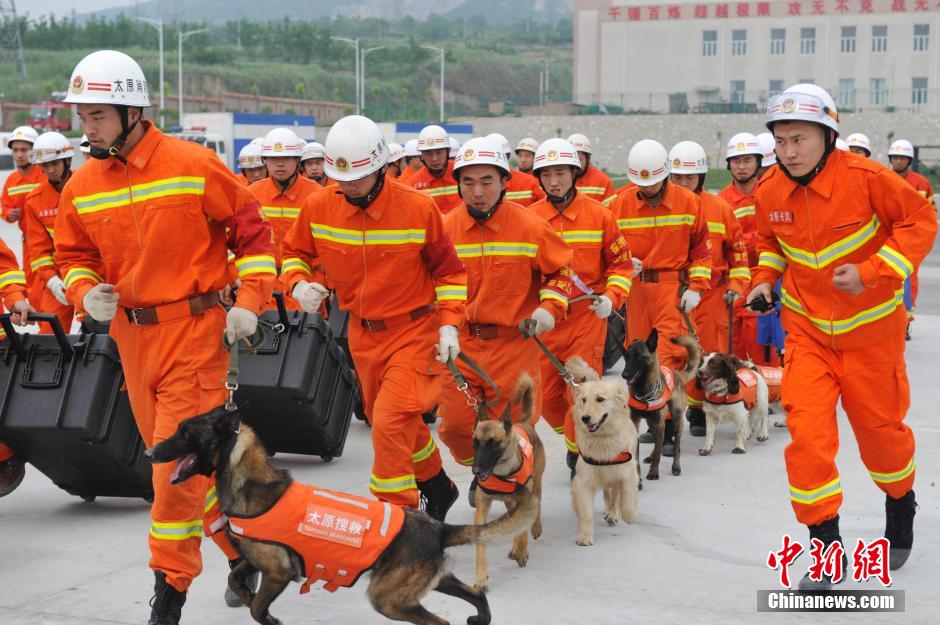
<point x="622" y="458"/>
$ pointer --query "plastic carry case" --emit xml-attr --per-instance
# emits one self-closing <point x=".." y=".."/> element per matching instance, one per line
<point x="298" y="386"/>
<point x="338" y="321"/>
<point x="63" y="411"/>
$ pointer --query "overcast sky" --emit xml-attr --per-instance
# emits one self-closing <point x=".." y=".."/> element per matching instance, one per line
<point x="63" y="7"/>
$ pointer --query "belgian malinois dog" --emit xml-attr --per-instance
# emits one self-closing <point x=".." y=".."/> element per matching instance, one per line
<point x="411" y="565"/>
<point x="648" y="386"/>
<point x="516" y="459"/>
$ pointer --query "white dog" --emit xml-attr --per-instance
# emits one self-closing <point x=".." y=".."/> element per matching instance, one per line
<point x="733" y="392"/>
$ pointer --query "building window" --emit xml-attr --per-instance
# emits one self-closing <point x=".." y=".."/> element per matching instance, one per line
<point x="878" y="92"/>
<point x="738" y="42"/>
<point x="921" y="37"/>
<point x="776" y="86"/>
<point x="879" y="38"/>
<point x="847" y="41"/>
<point x="778" y="41"/>
<point x="709" y="42"/>
<point x="846" y="93"/>
<point x="737" y="92"/>
<point x="918" y="91"/>
<point x="807" y="41"/>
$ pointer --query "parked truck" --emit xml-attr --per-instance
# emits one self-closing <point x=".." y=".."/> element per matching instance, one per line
<point x="228" y="133"/>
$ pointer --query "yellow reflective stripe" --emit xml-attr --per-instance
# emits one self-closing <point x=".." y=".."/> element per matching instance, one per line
<point x="606" y="201"/>
<point x="559" y="429"/>
<point x="496" y="248"/>
<point x="841" y="326"/>
<point x="260" y="263"/>
<point x="593" y="190"/>
<point x="180" y="185"/>
<point x="694" y="403"/>
<point x="21" y="189"/>
<point x="426" y="452"/>
<point x="739" y="273"/>
<point x="699" y="272"/>
<point x="450" y="190"/>
<point x="392" y="484"/>
<point x="281" y="212"/>
<point x="633" y="223"/>
<point x="834" y="252"/>
<point x="897" y="261"/>
<point x="745" y="211"/>
<point x="367" y="237"/>
<point x="716" y="227"/>
<point x="12" y="277"/>
<point x="295" y="264"/>
<point x="624" y="283"/>
<point x="545" y="294"/>
<point x="176" y="531"/>
<point x="583" y="236"/>
<point x="816" y="495"/>
<point x="80" y="273"/>
<point x="51" y="231"/>
<point x="212" y="498"/>
<point x="453" y="292"/>
<point x="466" y="461"/>
<point x="230" y="255"/>
<point x="923" y="192"/>
<point x="519" y="195"/>
<point x="42" y="261"/>
<point x="890" y="478"/>
<point x="772" y="260"/>
<point x="571" y="445"/>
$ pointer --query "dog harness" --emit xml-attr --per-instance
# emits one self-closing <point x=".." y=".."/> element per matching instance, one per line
<point x="747" y="392"/>
<point x="495" y="484"/>
<point x="773" y="376"/>
<point x="337" y="536"/>
<point x="653" y="402"/>
<point x="622" y="458"/>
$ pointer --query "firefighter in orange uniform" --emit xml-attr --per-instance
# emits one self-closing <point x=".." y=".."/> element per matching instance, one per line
<point x="141" y="238"/>
<point x="525" y="154"/>
<point x="844" y="233"/>
<point x="381" y="245"/>
<point x="437" y="176"/>
<point x="251" y="165"/>
<point x="21" y="181"/>
<point x="311" y="163"/>
<point x="521" y="188"/>
<point x="412" y="163"/>
<point x="396" y="160"/>
<point x="602" y="275"/>
<point x="592" y="182"/>
<point x="517" y="268"/>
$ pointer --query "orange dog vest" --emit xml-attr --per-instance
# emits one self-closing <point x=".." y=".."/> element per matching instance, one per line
<point x="656" y="403"/>
<point x="773" y="376"/>
<point x="746" y="393"/>
<point x="495" y="484"/>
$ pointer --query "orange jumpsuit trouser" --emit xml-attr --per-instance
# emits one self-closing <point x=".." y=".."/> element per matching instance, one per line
<point x="400" y="380"/>
<point x="710" y="319"/>
<point x="872" y="384"/>
<point x="581" y="334"/>
<point x="656" y="305"/>
<point x="176" y="370"/>
<point x="503" y="358"/>
<point x="44" y="301"/>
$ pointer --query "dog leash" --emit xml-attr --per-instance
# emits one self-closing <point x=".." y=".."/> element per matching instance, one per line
<point x="731" y="327"/>
<point x="594" y="297"/>
<point x="464" y="387"/>
<point x="251" y="344"/>
<point x="527" y="327"/>
<point x="685" y="315"/>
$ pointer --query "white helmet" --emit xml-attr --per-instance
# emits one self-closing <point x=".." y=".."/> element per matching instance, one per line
<point x="480" y="151"/>
<point x="23" y="133"/>
<point x="432" y="137"/>
<point x="842" y="145"/>
<point x="313" y="149"/>
<point x="108" y="77"/>
<point x="249" y="157"/>
<point x="355" y="148"/>
<point x="556" y="152"/>
<point x="84" y="146"/>
<point x="395" y="152"/>
<point x="454" y="147"/>
<point x="51" y="146"/>
<point x="529" y="144"/>
<point x="647" y="163"/>
<point x="768" y="146"/>
<point x="859" y="140"/>
<point x="281" y="142"/>
<point x="743" y="143"/>
<point x="688" y="157"/>
<point x="901" y="147"/>
<point x="806" y="103"/>
<point x="500" y="141"/>
<point x="411" y="148"/>
<point x="580" y="142"/>
<point x="259" y="141"/>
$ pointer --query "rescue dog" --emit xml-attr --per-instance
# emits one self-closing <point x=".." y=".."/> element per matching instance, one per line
<point x="734" y="392"/>
<point x="654" y="389"/>
<point x="412" y="563"/>
<point x="508" y="462"/>
<point x="606" y="439"/>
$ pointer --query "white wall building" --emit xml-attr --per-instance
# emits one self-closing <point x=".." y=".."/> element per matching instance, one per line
<point x="696" y="56"/>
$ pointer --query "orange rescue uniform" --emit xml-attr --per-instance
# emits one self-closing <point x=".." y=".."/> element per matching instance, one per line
<point x="523" y="189"/>
<point x="601" y="262"/>
<point x="12" y="290"/>
<point x="838" y="345"/>
<point x="596" y="185"/>
<point x="395" y="270"/>
<point x="515" y="263"/>
<point x="443" y="190"/>
<point x="15" y="189"/>
<point x="922" y="185"/>
<point x="155" y="228"/>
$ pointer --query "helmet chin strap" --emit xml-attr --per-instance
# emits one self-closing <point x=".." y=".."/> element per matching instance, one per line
<point x="484" y="215"/>
<point x="364" y="201"/>
<point x="569" y="194"/>
<point x="126" y="129"/>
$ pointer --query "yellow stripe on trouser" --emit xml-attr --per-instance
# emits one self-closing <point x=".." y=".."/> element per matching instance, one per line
<point x="694" y="403"/>
<point x="466" y="461"/>
<point x="571" y="445"/>
<point x="890" y="478"/>
<point x="392" y="484"/>
<point x="809" y="497"/>
<point x="426" y="452"/>
<point x="176" y="531"/>
<point x="212" y="498"/>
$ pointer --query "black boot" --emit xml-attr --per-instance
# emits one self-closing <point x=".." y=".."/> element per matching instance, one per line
<point x="669" y="439"/>
<point x="251" y="577"/>
<point x="899" y="528"/>
<point x="167" y="602"/>
<point x="648" y="436"/>
<point x="696" y="417"/>
<point x="572" y="461"/>
<point x="439" y="494"/>
<point x="828" y="533"/>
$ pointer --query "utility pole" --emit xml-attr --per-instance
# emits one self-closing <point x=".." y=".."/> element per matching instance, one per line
<point x="441" y="52"/>
<point x="183" y="37"/>
<point x="355" y="44"/>
<point x="158" y="24"/>
<point x="11" y="46"/>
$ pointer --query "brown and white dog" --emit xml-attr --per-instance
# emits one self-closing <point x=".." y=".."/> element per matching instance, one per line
<point x="736" y="392"/>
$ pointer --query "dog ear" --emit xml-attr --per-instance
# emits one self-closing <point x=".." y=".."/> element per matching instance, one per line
<point x="230" y="420"/>
<point x="506" y="418"/>
<point x="652" y="341"/>
<point x="734" y="385"/>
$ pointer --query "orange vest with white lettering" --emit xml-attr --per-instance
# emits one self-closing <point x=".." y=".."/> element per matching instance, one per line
<point x="656" y="404"/>
<point x="773" y="376"/>
<point x="338" y="537"/>
<point x="747" y="391"/>
<point x="511" y="483"/>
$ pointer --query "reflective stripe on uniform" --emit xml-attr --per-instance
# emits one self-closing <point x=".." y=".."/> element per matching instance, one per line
<point x="439" y="191"/>
<point x="176" y="531"/>
<point x="834" y="252"/>
<point x="698" y="272"/>
<point x="12" y="277"/>
<point x="545" y="294"/>
<point x="739" y="273"/>
<point x="42" y="261"/>
<point x="772" y="260"/>
<point x="571" y="445"/>
<point x="181" y="185"/>
<point x="815" y="495"/>
<point x="744" y="211"/>
<point x="496" y="248"/>
<point x="21" y="189"/>
<point x="716" y="227"/>
<point x="466" y="461"/>
<point x="592" y="190"/>
<point x="694" y="403"/>
<point x="624" y="283"/>
<point x="668" y="221"/>
<point x="212" y="498"/>
<point x="80" y="273"/>
<point x="519" y="195"/>
<point x="897" y="261"/>
<point x="295" y="264"/>
<point x="582" y="236"/>
<point x="260" y="263"/>
<point x="426" y="452"/>
<point x="281" y="212"/>
<point x="609" y="199"/>
<point x="897" y="476"/>
<point x="841" y="326"/>
<point x="451" y="292"/>
<point x="367" y="237"/>
<point x="392" y="484"/>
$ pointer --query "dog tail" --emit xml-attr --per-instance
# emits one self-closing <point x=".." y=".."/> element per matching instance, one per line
<point x="512" y="522"/>
<point x="694" y="360"/>
<point x="524" y="396"/>
<point x="581" y="371"/>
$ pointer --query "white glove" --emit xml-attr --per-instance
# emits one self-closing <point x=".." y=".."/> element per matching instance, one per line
<point x="690" y="300"/>
<point x="637" y="266"/>
<point x="101" y="302"/>
<point x="240" y="323"/>
<point x="57" y="287"/>
<point x="731" y="296"/>
<point x="448" y="347"/>
<point x="544" y="321"/>
<point x="602" y="306"/>
<point x="310" y="295"/>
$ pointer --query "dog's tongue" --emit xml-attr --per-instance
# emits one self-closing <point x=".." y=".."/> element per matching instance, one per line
<point x="182" y="468"/>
